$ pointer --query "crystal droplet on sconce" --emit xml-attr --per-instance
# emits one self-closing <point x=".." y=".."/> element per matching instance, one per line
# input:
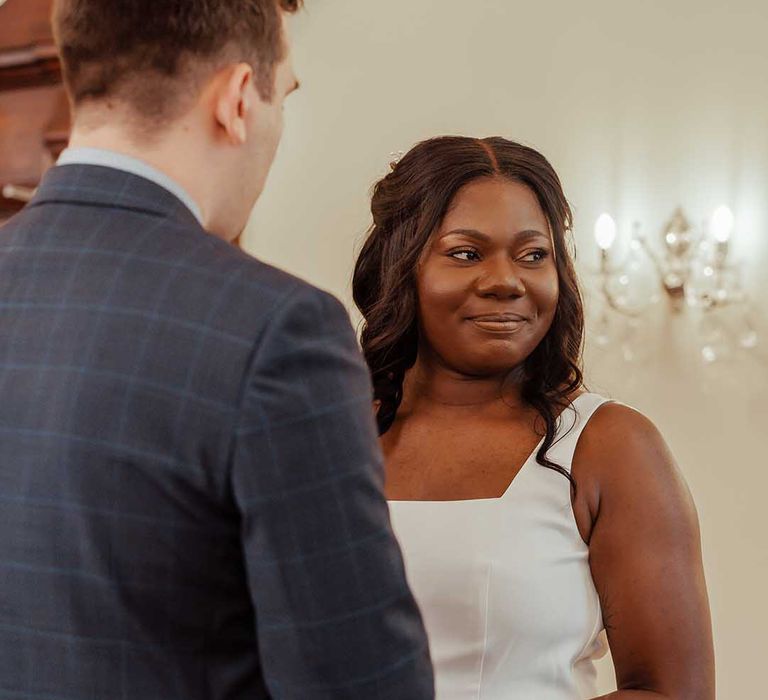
<point x="634" y="287"/>
<point x="677" y="234"/>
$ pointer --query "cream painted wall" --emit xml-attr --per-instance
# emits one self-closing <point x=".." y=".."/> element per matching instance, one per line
<point x="640" y="107"/>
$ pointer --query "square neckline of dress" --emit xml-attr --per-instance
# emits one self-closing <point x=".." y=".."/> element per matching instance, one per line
<point x="514" y="479"/>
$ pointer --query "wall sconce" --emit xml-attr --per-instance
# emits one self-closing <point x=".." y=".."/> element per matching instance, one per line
<point x="605" y="235"/>
<point x="692" y="270"/>
<point x="628" y="286"/>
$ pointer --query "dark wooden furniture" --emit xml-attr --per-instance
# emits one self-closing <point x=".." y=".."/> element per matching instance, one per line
<point x="34" y="115"/>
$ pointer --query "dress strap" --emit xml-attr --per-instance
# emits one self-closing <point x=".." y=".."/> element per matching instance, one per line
<point x="570" y="425"/>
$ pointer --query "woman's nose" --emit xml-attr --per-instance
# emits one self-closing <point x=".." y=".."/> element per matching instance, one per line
<point x="501" y="279"/>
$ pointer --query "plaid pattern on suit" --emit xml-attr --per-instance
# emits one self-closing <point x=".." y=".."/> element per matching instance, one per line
<point x="190" y="495"/>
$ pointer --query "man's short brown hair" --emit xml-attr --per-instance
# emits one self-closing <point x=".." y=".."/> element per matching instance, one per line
<point x="150" y="53"/>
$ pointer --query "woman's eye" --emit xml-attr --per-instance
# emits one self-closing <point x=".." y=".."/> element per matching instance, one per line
<point x="535" y="256"/>
<point x="465" y="255"/>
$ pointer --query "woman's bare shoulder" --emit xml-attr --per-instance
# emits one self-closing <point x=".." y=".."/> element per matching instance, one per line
<point x="623" y="454"/>
<point x="617" y="432"/>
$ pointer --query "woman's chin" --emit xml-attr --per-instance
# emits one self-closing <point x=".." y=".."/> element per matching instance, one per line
<point x="493" y="365"/>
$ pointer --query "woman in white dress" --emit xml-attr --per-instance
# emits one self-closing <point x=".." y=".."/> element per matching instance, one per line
<point x="536" y="519"/>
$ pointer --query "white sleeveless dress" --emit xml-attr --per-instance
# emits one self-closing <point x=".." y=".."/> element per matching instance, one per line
<point x="504" y="584"/>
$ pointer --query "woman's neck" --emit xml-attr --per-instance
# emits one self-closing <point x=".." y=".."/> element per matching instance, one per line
<point x="431" y="385"/>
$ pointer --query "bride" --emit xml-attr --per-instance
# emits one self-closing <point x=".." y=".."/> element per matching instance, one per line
<point x="537" y="519"/>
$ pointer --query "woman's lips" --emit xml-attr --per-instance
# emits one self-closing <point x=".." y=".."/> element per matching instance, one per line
<point x="499" y="323"/>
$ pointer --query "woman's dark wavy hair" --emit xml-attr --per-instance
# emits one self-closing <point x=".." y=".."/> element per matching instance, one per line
<point x="408" y="205"/>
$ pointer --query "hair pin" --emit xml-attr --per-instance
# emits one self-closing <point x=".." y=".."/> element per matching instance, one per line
<point x="396" y="157"/>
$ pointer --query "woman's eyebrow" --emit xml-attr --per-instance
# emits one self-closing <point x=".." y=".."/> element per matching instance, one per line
<point x="520" y="236"/>
<point x="469" y="233"/>
<point x="530" y="234"/>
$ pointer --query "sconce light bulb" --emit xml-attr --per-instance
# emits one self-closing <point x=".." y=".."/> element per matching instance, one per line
<point x="605" y="231"/>
<point x="722" y="224"/>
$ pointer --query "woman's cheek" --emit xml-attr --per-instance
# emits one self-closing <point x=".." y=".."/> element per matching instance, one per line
<point x="546" y="292"/>
<point x="442" y="290"/>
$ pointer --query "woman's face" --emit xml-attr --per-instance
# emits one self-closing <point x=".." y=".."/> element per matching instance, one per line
<point x="487" y="285"/>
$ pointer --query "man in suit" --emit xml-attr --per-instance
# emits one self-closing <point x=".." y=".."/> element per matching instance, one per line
<point x="190" y="490"/>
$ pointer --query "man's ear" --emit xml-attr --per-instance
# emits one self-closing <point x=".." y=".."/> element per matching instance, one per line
<point x="233" y="102"/>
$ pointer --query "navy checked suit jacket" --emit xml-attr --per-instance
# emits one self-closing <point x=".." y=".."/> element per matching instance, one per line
<point x="190" y="490"/>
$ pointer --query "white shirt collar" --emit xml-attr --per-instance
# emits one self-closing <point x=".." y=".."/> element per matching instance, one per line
<point x="119" y="161"/>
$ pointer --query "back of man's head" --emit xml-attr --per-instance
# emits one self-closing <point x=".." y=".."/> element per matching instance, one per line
<point x="151" y="54"/>
<point x="193" y="87"/>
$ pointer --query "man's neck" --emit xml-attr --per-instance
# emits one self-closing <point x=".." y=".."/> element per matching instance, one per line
<point x="163" y="156"/>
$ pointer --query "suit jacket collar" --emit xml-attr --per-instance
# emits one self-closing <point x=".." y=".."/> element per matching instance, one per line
<point x="110" y="188"/>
